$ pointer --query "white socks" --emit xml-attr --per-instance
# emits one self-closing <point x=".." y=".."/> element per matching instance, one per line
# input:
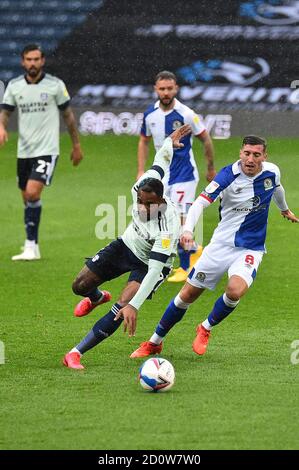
<point x="207" y="325"/>
<point x="156" y="339"/>
<point x="75" y="350"/>
<point x="179" y="303"/>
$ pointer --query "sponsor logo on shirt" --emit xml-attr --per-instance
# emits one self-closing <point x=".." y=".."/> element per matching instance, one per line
<point x="252" y="205"/>
<point x="44" y="96"/>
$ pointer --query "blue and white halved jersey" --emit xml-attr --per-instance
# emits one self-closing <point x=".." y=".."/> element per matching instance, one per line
<point x="244" y="204"/>
<point x="160" y="124"/>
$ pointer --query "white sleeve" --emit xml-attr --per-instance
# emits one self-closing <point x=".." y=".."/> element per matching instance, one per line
<point x="62" y="95"/>
<point x="148" y="283"/>
<point x="162" y="160"/>
<point x="9" y="101"/>
<point x="279" y="198"/>
<point x="195" y="122"/>
<point x="160" y="164"/>
<point x="195" y="212"/>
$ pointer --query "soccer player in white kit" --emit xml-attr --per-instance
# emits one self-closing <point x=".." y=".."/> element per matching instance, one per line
<point x="146" y="250"/>
<point x="245" y="190"/>
<point x="181" y="179"/>
<point x="38" y="98"/>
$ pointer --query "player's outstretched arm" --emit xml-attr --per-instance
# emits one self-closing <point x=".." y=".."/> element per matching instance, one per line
<point x="178" y="134"/>
<point x="290" y="216"/>
<point x="164" y="155"/>
<point x="280" y="201"/>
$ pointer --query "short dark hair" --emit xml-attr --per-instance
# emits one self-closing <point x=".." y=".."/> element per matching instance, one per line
<point x="32" y="47"/>
<point x="254" y="140"/>
<point x="165" y="75"/>
<point x="152" y="185"/>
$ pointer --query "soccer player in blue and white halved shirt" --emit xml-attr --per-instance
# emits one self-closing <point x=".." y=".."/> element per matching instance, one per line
<point x="245" y="190"/>
<point x="180" y="182"/>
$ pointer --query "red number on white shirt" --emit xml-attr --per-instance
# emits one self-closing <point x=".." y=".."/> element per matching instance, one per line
<point x="249" y="259"/>
<point x="181" y="195"/>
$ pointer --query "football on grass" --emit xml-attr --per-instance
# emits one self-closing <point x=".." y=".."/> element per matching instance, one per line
<point x="156" y="375"/>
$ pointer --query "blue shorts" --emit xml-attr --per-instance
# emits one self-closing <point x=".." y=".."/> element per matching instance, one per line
<point x="117" y="259"/>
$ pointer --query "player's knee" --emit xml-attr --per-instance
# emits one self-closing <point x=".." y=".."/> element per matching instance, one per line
<point x="233" y="293"/>
<point x="80" y="287"/>
<point x="32" y="195"/>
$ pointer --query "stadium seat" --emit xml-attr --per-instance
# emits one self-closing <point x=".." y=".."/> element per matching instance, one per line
<point x="51" y="22"/>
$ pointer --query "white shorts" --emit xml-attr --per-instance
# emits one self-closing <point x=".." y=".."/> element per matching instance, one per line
<point x="216" y="259"/>
<point x="182" y="194"/>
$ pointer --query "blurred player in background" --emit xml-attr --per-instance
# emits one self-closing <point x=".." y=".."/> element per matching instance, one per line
<point x="38" y="97"/>
<point x="237" y="246"/>
<point x="146" y="250"/>
<point x="180" y="182"/>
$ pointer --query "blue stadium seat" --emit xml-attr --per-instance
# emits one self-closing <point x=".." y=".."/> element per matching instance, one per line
<point x="52" y="20"/>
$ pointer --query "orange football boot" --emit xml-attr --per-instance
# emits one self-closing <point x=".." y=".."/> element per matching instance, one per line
<point x="200" y="343"/>
<point x="85" y="306"/>
<point x="72" y="360"/>
<point x="146" y="349"/>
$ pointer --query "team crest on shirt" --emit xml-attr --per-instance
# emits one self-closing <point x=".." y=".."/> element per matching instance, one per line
<point x="176" y="125"/>
<point x="165" y="243"/>
<point x="268" y="184"/>
<point x="44" y="96"/>
<point x="200" y="276"/>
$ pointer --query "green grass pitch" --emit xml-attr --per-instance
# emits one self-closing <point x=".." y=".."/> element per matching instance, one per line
<point x="243" y="394"/>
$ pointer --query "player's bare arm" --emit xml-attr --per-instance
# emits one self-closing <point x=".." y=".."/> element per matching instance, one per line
<point x="70" y="121"/>
<point x="129" y="314"/>
<point x="290" y="216"/>
<point x="4" y="117"/>
<point x="209" y="154"/>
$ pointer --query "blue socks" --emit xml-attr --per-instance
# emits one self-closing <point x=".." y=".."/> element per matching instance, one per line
<point x="222" y="308"/>
<point x="172" y="315"/>
<point x="103" y="328"/>
<point x="185" y="256"/>
<point x="32" y="214"/>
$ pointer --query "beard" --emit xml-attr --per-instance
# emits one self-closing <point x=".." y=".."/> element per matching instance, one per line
<point x="33" y="72"/>
<point x="166" y="101"/>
